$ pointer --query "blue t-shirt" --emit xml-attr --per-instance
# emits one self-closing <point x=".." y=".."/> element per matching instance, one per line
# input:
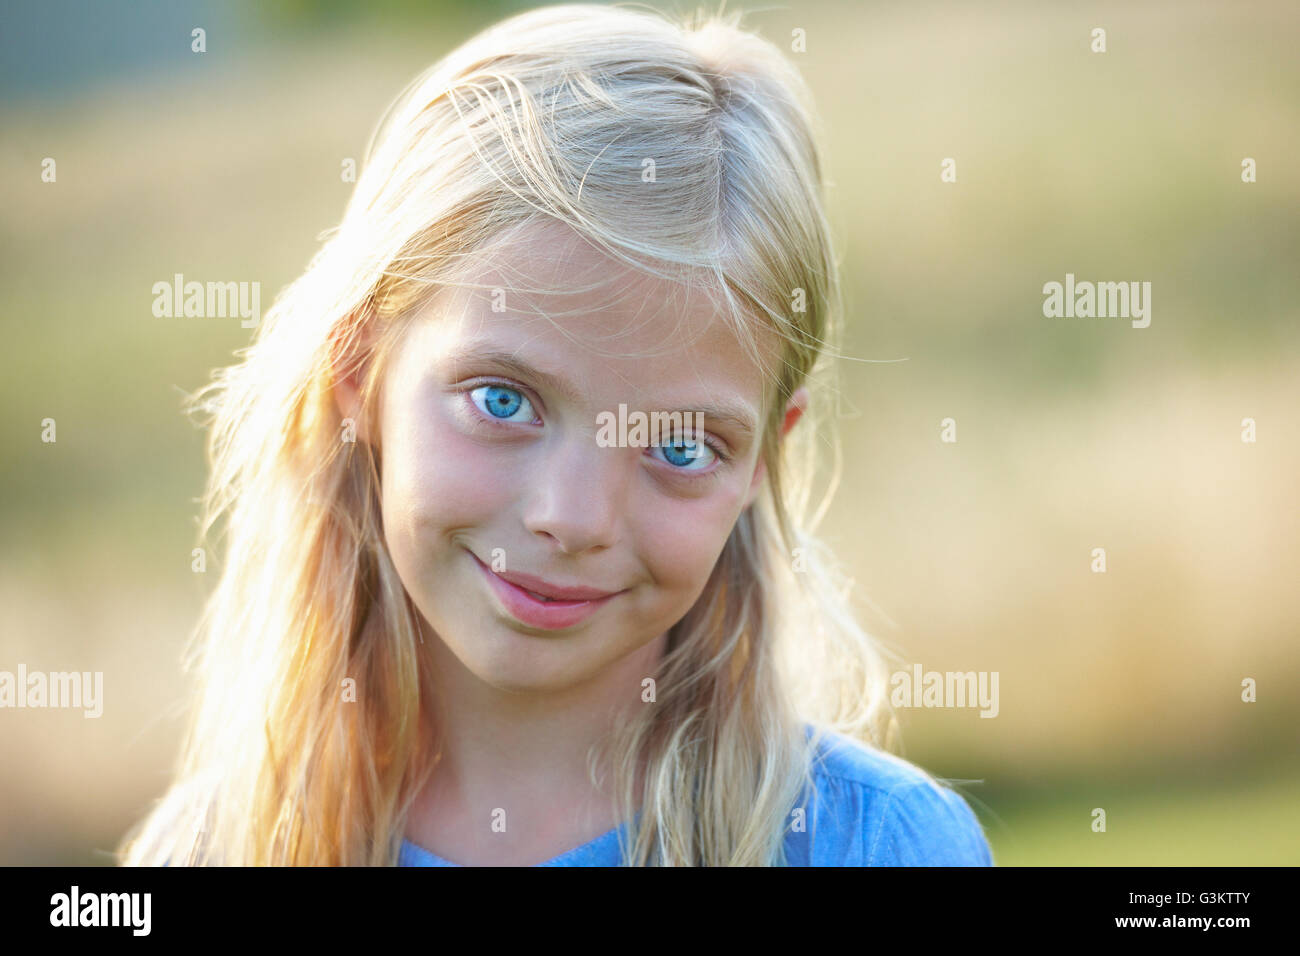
<point x="866" y="808"/>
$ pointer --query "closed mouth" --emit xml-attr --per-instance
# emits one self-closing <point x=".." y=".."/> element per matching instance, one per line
<point x="547" y="592"/>
<point x="541" y="605"/>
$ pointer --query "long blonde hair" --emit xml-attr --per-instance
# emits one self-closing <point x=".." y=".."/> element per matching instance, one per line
<point x="548" y="116"/>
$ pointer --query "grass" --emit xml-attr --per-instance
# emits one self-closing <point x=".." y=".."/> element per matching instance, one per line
<point x="1250" y="822"/>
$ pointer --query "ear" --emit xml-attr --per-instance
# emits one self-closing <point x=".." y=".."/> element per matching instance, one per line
<point x="794" y="410"/>
<point x="347" y="388"/>
<point x="347" y="398"/>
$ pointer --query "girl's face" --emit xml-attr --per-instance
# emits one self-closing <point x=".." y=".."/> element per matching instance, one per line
<point x="499" y="486"/>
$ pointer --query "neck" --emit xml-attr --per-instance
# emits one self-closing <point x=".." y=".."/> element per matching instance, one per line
<point x="526" y="753"/>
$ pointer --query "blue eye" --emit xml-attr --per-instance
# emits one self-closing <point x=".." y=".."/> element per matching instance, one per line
<point x="502" y="403"/>
<point x="687" y="454"/>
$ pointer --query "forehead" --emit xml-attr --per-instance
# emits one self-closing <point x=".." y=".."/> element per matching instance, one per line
<point x="553" y="300"/>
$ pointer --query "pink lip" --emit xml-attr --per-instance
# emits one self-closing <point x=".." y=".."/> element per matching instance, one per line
<point x="571" y="606"/>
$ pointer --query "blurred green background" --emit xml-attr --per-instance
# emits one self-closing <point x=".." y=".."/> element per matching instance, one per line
<point x="1119" y="690"/>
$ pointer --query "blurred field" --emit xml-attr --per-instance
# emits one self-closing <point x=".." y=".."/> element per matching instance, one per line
<point x="1072" y="433"/>
<point x="1237" y="822"/>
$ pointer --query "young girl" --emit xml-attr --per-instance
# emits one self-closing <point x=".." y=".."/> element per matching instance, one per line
<point x="475" y="608"/>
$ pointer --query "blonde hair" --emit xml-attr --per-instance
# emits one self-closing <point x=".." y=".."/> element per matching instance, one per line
<point x="546" y="117"/>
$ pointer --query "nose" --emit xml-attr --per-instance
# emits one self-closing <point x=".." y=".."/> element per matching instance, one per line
<point x="577" y="494"/>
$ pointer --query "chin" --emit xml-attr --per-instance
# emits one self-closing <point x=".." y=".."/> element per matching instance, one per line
<point x="517" y="662"/>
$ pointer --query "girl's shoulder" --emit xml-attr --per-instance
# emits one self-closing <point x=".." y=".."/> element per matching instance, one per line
<point x="870" y="808"/>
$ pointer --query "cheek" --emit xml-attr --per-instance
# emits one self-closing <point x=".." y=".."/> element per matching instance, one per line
<point x="681" y="543"/>
<point x="435" y="479"/>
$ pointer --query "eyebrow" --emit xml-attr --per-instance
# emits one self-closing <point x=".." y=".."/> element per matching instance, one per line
<point x="735" y="415"/>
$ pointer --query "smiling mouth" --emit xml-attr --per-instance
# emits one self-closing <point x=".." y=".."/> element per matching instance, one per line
<point x="544" y="590"/>
<point x="556" y="607"/>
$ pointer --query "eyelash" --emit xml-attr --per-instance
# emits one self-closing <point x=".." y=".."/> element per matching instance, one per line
<point x="713" y="446"/>
<point x="470" y="387"/>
